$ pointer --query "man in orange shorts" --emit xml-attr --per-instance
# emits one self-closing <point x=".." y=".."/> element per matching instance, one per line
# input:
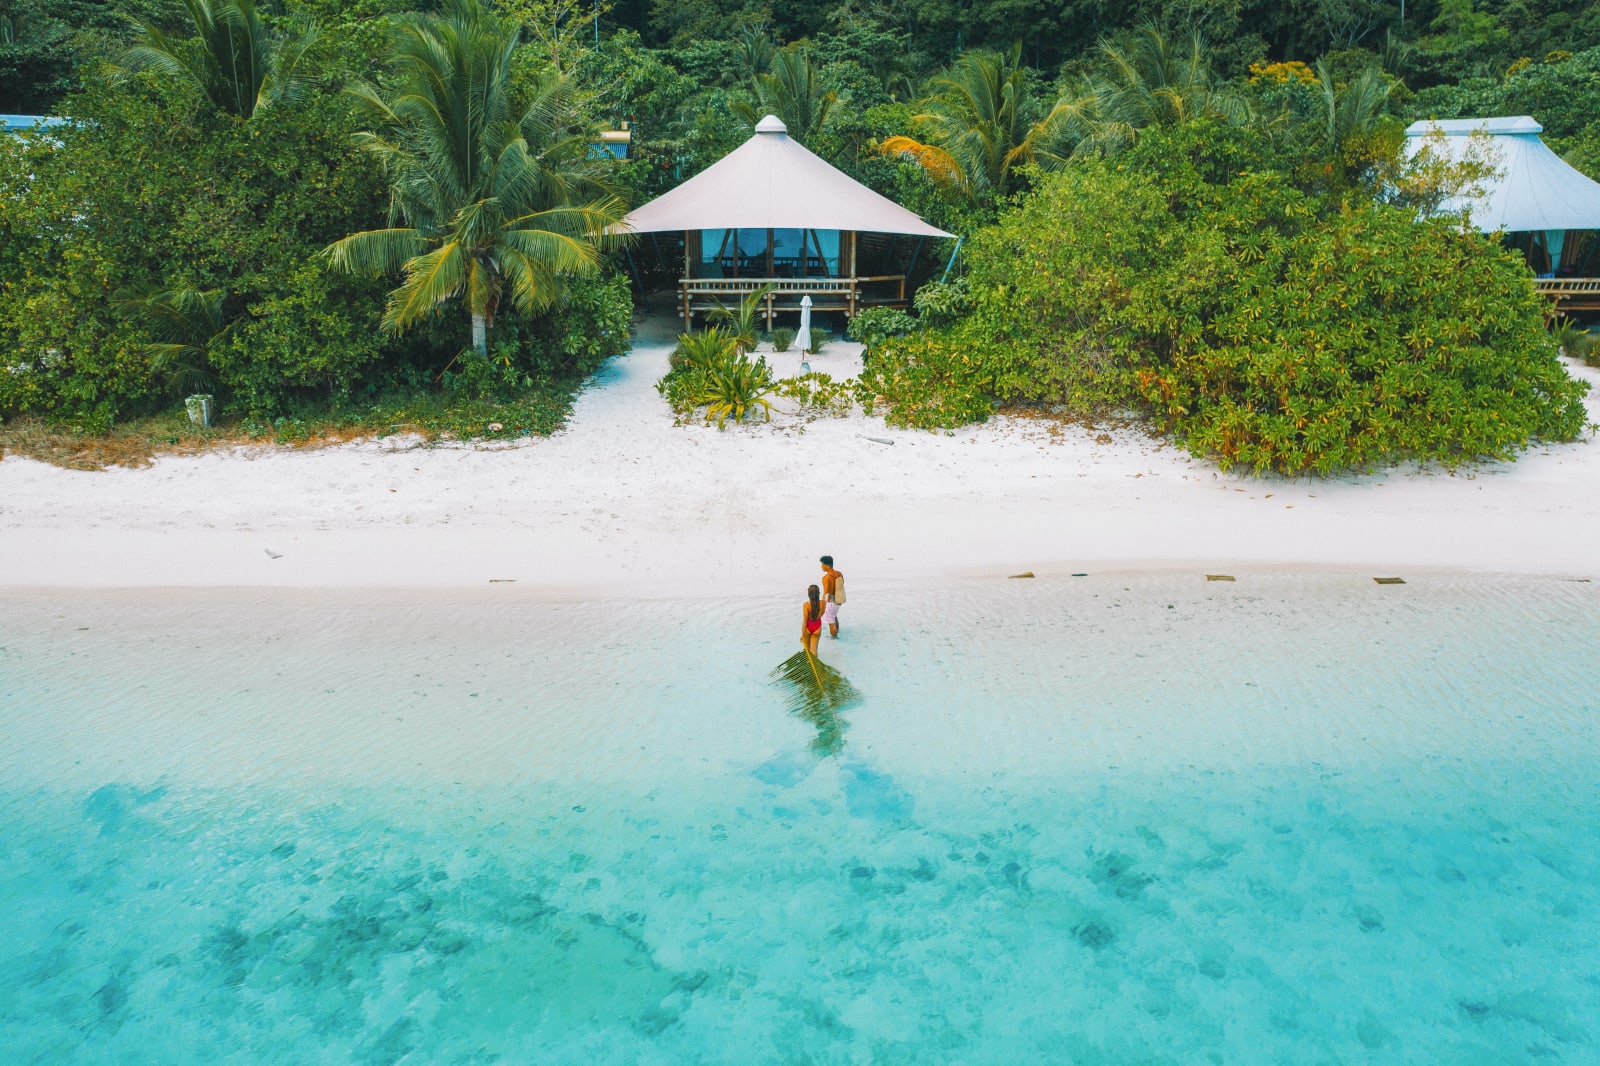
<point x="832" y="595"/>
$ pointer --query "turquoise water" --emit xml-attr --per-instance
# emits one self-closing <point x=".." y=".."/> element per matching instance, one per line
<point x="1128" y="819"/>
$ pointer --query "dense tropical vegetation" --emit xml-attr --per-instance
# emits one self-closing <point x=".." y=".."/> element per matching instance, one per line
<point x="1264" y="324"/>
<point x="499" y="196"/>
<point x="386" y="212"/>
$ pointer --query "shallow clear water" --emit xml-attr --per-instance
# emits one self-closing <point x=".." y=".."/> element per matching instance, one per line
<point x="1118" y="819"/>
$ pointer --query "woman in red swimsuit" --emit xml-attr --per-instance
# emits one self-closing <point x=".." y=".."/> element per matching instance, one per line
<point x="811" y="620"/>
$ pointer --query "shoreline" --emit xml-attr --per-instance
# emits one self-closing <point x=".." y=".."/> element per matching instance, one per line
<point x="1054" y="679"/>
<point x="1187" y="576"/>
<point x="623" y="504"/>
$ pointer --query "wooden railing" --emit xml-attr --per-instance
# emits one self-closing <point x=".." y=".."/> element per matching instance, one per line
<point x="1570" y="294"/>
<point x="827" y="294"/>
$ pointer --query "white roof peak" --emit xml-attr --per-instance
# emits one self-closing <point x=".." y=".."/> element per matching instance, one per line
<point x="1462" y="127"/>
<point x="772" y="181"/>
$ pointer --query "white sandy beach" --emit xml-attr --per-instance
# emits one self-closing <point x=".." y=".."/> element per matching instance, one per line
<point x="624" y="503"/>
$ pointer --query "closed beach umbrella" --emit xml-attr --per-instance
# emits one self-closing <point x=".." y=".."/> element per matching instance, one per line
<point x="802" y="340"/>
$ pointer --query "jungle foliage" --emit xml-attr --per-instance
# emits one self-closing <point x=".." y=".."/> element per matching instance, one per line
<point x="499" y="198"/>
<point x="1272" y="327"/>
<point x="1194" y="210"/>
<point x="166" y="242"/>
<point x="147" y="195"/>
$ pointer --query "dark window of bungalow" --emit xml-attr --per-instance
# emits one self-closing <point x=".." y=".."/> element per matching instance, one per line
<point x="733" y="253"/>
<point x="753" y="254"/>
<point x="805" y="253"/>
<point x="822" y="258"/>
<point x="713" y="245"/>
<point x="763" y="253"/>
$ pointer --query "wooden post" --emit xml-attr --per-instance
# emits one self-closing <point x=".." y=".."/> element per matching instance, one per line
<point x="691" y="249"/>
<point x="849" y="251"/>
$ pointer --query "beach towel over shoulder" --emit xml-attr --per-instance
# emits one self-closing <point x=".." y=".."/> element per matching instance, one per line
<point x="838" y="588"/>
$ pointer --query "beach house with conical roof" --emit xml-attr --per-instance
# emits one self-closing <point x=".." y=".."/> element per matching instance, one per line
<point x="1547" y="209"/>
<point x="772" y="213"/>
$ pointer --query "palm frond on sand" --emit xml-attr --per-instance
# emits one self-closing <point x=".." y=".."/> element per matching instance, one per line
<point x="818" y="693"/>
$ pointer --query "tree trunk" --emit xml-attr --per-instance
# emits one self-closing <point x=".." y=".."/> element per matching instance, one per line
<point x="480" y="335"/>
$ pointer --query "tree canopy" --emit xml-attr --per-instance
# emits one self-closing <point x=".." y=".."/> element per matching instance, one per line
<point x="308" y="201"/>
<point x="497" y="193"/>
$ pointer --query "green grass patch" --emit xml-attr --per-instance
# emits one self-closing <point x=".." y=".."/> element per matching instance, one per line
<point x="434" y="416"/>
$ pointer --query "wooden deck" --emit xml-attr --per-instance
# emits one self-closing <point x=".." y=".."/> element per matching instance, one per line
<point x="827" y="294"/>
<point x="1570" y="294"/>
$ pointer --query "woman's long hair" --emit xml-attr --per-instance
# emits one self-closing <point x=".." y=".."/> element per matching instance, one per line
<point x="814" y="608"/>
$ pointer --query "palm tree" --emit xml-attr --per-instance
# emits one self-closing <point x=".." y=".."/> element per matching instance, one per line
<point x="752" y="51"/>
<point x="232" y="60"/>
<point x="496" y="199"/>
<point x="183" y="325"/>
<point x="1350" y="110"/>
<point x="978" y="124"/>
<point x="1345" y="144"/>
<point x="1147" y="81"/>
<point x="793" y="90"/>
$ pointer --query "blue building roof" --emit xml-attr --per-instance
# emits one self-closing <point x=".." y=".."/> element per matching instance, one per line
<point x="1532" y="190"/>
<point x="14" y="123"/>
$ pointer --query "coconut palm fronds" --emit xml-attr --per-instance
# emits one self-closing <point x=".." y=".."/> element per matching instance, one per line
<point x="818" y="693"/>
<point x="494" y="198"/>
<point x="816" y="681"/>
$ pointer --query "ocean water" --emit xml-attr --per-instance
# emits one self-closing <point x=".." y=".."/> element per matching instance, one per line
<point x="1126" y="818"/>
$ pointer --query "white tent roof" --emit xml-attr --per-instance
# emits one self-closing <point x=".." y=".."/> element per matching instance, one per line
<point x="1537" y="190"/>
<point x="772" y="182"/>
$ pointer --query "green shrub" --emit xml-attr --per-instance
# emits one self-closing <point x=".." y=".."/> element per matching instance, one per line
<point x="742" y="322"/>
<point x="940" y="303"/>
<point x="819" y="340"/>
<point x="926" y="382"/>
<point x="782" y="339"/>
<point x="681" y="389"/>
<point x="1574" y="341"/>
<point x="817" y="393"/>
<point x="736" y="389"/>
<point x="708" y="369"/>
<point x="471" y="376"/>
<point x="1261" y="325"/>
<point x="184" y="201"/>
<point x="703" y="349"/>
<point x="1356" y="338"/>
<point x="877" y="324"/>
<point x="592" y="323"/>
<point x="313" y="337"/>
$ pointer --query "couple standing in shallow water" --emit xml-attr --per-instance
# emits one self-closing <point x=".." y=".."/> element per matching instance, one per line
<point x="822" y="605"/>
